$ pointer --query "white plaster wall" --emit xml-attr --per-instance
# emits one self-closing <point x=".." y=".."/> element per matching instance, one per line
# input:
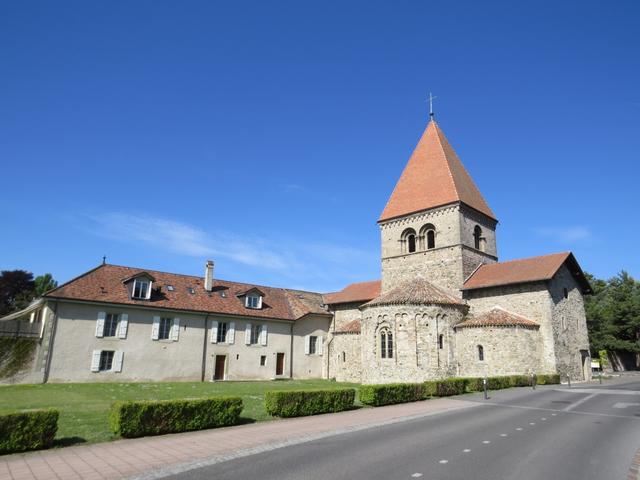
<point x="309" y="366"/>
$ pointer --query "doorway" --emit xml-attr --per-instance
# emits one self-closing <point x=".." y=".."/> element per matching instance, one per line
<point x="280" y="364"/>
<point x="218" y="373"/>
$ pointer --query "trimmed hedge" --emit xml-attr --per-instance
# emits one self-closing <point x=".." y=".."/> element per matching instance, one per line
<point x="299" y="403"/>
<point x="548" y="379"/>
<point x="141" y="418"/>
<point x="390" y="393"/>
<point x="451" y="386"/>
<point x="31" y="430"/>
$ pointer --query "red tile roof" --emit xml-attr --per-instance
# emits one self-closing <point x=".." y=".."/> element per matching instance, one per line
<point x="434" y="176"/>
<point x="525" y="270"/>
<point x="105" y="284"/>
<point x="416" y="292"/>
<point x="352" y="327"/>
<point x="498" y="317"/>
<point x="356" y="292"/>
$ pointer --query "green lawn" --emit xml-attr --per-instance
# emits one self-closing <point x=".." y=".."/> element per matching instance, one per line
<point x="84" y="407"/>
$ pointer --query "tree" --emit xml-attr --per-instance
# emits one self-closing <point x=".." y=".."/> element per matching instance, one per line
<point x="613" y="314"/>
<point x="16" y="290"/>
<point x="44" y="283"/>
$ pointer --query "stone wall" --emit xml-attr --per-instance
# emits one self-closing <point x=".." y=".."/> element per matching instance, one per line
<point x="469" y="219"/>
<point x="343" y="314"/>
<point x="530" y="300"/>
<point x="417" y="356"/>
<point x="507" y="351"/>
<point x="569" y="327"/>
<point x="344" y="357"/>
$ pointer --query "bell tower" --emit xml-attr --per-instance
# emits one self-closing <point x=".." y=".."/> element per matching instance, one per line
<point x="436" y="224"/>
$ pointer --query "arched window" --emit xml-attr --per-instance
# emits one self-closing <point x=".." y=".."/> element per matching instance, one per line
<point x="480" y="353"/>
<point x="428" y="236"/>
<point x="408" y="240"/>
<point x="386" y="344"/>
<point x="344" y="356"/>
<point x="440" y="341"/>
<point x="478" y="239"/>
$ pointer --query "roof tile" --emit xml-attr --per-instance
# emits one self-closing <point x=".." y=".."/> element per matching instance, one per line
<point x="498" y="317"/>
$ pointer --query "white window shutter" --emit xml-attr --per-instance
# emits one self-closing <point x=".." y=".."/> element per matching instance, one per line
<point x="100" y="324"/>
<point x="307" y="341"/>
<point x="231" y="333"/>
<point x="124" y="325"/>
<point x="263" y="336"/>
<point x="320" y="345"/>
<point x="155" y="329"/>
<point x="117" y="361"/>
<point x="214" y="332"/>
<point x="247" y="334"/>
<point x="95" y="361"/>
<point x="175" y="331"/>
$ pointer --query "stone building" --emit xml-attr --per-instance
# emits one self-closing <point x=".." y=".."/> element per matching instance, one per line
<point x="444" y="306"/>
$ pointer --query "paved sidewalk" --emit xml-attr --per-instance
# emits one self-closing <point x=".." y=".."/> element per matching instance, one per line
<point x="154" y="457"/>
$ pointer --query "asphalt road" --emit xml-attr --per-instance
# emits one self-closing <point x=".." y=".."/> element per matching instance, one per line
<point x="588" y="432"/>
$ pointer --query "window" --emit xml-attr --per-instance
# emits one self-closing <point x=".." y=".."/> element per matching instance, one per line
<point x="256" y="330"/>
<point x="440" y="341"/>
<point x="408" y="241"/>
<point x="313" y="345"/>
<point x="106" y="360"/>
<point x="566" y="293"/>
<point x="344" y="356"/>
<point x="165" y="328"/>
<point x="222" y="332"/>
<point x="110" y="325"/>
<point x="170" y="288"/>
<point x="478" y="240"/>
<point x="253" y="301"/>
<point x="480" y="353"/>
<point x="140" y="288"/>
<point x="191" y="290"/>
<point x="428" y="236"/>
<point x="263" y="360"/>
<point x="386" y="344"/>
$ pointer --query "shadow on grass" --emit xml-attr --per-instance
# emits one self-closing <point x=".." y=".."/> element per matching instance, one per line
<point x="68" y="441"/>
<point x="245" y="420"/>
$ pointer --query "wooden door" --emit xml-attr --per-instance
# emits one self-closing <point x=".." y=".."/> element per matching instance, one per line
<point x="218" y="373"/>
<point x="280" y="364"/>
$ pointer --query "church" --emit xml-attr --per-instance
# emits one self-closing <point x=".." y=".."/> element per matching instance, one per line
<point x="443" y="307"/>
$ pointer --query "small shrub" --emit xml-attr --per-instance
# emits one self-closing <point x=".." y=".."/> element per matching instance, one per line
<point x="27" y="430"/>
<point x="299" y="403"/>
<point x="451" y="386"/>
<point x="430" y="389"/>
<point x="548" y="379"/>
<point x="390" y="393"/>
<point x="141" y="418"/>
<point x="521" y="380"/>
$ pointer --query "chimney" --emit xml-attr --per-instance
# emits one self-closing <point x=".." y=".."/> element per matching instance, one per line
<point x="208" y="276"/>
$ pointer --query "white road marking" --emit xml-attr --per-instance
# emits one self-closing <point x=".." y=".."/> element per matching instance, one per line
<point x="466" y="450"/>
<point x="625" y="405"/>
<point x="543" y="419"/>
<point x="416" y="475"/>
<point x="504" y="435"/>
<point x="579" y="402"/>
<point x="443" y="461"/>
<point x="532" y="423"/>
<point x="519" y="429"/>
<point x="486" y="441"/>
<point x="554" y="414"/>
<point x="605" y="391"/>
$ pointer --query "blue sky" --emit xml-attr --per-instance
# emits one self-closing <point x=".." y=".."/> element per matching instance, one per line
<point x="269" y="135"/>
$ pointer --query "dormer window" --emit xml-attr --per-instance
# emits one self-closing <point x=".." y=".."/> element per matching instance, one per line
<point x="253" y="301"/>
<point x="141" y="288"/>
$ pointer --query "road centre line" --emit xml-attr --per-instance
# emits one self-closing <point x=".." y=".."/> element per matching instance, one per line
<point x="571" y="412"/>
<point x="603" y="391"/>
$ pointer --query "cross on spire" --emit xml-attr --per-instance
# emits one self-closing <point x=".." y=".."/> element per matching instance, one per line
<point x="431" y="99"/>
